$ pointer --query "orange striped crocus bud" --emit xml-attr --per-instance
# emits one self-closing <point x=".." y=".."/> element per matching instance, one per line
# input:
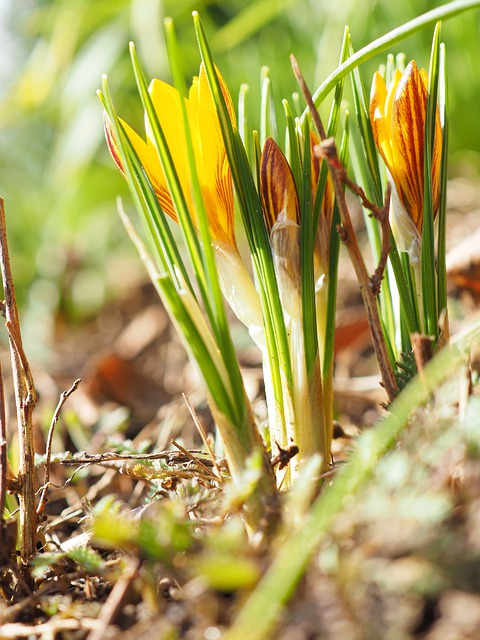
<point x="397" y="115"/>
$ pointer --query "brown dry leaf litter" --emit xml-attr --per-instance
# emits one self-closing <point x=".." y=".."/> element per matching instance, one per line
<point x="169" y="556"/>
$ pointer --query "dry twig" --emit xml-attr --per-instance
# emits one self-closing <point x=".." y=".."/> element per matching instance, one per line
<point x="3" y="455"/>
<point x="204" y="438"/>
<point x="48" y="454"/>
<point x="194" y="459"/>
<point x="46" y="630"/>
<point x="115" y="600"/>
<point x="25" y="398"/>
<point x="110" y="456"/>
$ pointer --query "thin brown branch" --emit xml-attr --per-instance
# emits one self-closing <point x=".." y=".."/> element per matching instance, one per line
<point x="204" y="438"/>
<point x="347" y="234"/>
<point x="115" y="600"/>
<point x="3" y="454"/>
<point x="25" y="398"/>
<point x="110" y="456"/>
<point x="377" y="277"/>
<point x="16" y="340"/>
<point x="328" y="152"/>
<point x="16" y="630"/>
<point x="194" y="459"/>
<point x="48" y="453"/>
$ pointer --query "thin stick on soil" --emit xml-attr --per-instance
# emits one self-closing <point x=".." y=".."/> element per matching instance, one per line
<point x="3" y="453"/>
<point x="25" y="398"/>
<point x="116" y="599"/>
<point x="197" y="461"/>
<point x="203" y="436"/>
<point x="48" y="453"/>
<point x="369" y="287"/>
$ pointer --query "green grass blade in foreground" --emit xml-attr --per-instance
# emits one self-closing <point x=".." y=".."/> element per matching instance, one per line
<point x="192" y="328"/>
<point x="292" y="151"/>
<point x="428" y="19"/>
<point x="429" y="281"/>
<point x="257" y="619"/>
<point x="332" y="126"/>
<point x="214" y="302"/>
<point x="328" y="354"/>
<point x="252" y="216"/>
<point x="442" y="211"/>
<point x="307" y="243"/>
<point x="268" y="122"/>
<point x="243" y="127"/>
<point x="362" y="111"/>
<point x="373" y="188"/>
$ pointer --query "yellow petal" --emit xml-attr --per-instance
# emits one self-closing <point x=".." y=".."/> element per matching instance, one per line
<point x="277" y="185"/>
<point x="166" y="101"/>
<point x="380" y="128"/>
<point x="211" y="158"/>
<point x="149" y="160"/>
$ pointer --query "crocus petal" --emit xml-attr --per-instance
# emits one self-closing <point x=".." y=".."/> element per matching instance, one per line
<point x="398" y="124"/>
<point x="381" y="126"/>
<point x="148" y="157"/>
<point x="408" y="140"/>
<point x="166" y="101"/>
<point x="277" y="185"/>
<point x="211" y="158"/>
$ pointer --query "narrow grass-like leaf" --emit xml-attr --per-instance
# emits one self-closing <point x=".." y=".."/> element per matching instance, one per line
<point x="258" y="616"/>
<point x="333" y="265"/>
<point x="200" y="343"/>
<point x="429" y="281"/>
<point x="292" y="150"/>
<point x="307" y="243"/>
<point x="373" y="188"/>
<point x="361" y="103"/>
<point x="332" y="126"/>
<point x="243" y="127"/>
<point x="256" y="232"/>
<point x="442" y="211"/>
<point x="214" y="302"/>
<point x="187" y="316"/>
<point x="268" y="121"/>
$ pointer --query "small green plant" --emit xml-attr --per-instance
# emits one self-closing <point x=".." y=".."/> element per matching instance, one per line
<point x="405" y="123"/>
<point x="186" y="168"/>
<point x="200" y="164"/>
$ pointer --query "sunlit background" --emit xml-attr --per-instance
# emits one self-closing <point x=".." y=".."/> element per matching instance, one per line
<point x="70" y="254"/>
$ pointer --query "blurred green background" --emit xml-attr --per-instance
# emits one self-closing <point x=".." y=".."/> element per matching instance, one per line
<point x="69" y="249"/>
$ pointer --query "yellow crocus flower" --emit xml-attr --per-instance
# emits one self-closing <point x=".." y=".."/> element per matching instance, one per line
<point x="210" y="156"/>
<point x="397" y="115"/>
